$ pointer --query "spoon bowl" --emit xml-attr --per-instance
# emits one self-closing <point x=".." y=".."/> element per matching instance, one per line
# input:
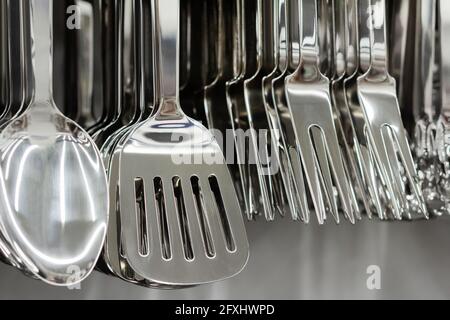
<point x="53" y="189"/>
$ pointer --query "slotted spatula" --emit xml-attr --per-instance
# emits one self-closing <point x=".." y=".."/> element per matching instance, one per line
<point x="181" y="220"/>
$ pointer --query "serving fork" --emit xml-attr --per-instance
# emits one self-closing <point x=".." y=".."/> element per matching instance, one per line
<point x="309" y="101"/>
<point x="378" y="98"/>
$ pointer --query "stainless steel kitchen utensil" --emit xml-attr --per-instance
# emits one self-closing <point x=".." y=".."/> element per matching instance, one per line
<point x="279" y="50"/>
<point x="107" y="52"/>
<point x="126" y="112"/>
<point x="17" y="67"/>
<point x="199" y="55"/>
<point x="215" y="93"/>
<point x="341" y="71"/>
<point x="50" y="161"/>
<point x="113" y="254"/>
<point x="378" y="98"/>
<point x="358" y="62"/>
<point x="255" y="197"/>
<point x="289" y="150"/>
<point x="401" y="47"/>
<point x="266" y="167"/>
<point x="309" y="101"/>
<point x="181" y="223"/>
<point x="17" y="97"/>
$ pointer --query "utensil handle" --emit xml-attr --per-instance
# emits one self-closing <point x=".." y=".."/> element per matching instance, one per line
<point x="281" y="35"/>
<point x="378" y="37"/>
<point x="267" y="31"/>
<point x="364" y="25"/>
<point x="351" y="36"/>
<point x="42" y="49"/>
<point x="140" y="55"/>
<point x="444" y="12"/>
<point x="166" y="19"/>
<point x="339" y="20"/>
<point x="423" y="101"/>
<point x="309" y="44"/>
<point x="293" y="33"/>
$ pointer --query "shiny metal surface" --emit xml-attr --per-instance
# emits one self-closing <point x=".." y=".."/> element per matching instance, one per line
<point x="278" y="47"/>
<point x="85" y="56"/>
<point x="254" y="196"/>
<point x="106" y="52"/>
<point x="351" y="114"/>
<point x="113" y="255"/>
<point x="198" y="55"/>
<point x="215" y="93"/>
<point x="265" y="169"/>
<point x="236" y="107"/>
<point x="17" y="89"/>
<point x="288" y="29"/>
<point x="401" y="39"/>
<point x="323" y="262"/>
<point x="16" y="62"/>
<point x="169" y="237"/>
<point x="358" y="197"/>
<point x="50" y="161"/>
<point x="311" y="76"/>
<point x="378" y="98"/>
<point x="309" y="101"/>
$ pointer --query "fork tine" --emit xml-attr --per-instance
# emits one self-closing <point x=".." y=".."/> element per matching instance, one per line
<point x="411" y="173"/>
<point x="325" y="175"/>
<point x="263" y="181"/>
<point x="332" y="144"/>
<point x="279" y="196"/>
<point x="381" y="156"/>
<point x="368" y="168"/>
<point x="297" y="185"/>
<point x="394" y="163"/>
<point x="377" y="179"/>
<point x="353" y="191"/>
<point x="307" y="155"/>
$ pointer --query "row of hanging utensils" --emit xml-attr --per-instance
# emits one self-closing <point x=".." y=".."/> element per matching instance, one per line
<point x="305" y="89"/>
<point x="303" y="117"/>
<point x="117" y="189"/>
<point x="242" y="73"/>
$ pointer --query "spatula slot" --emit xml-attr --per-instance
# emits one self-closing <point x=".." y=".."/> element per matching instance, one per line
<point x="162" y="219"/>
<point x="214" y="185"/>
<point x="141" y="215"/>
<point x="204" y="225"/>
<point x="182" y="218"/>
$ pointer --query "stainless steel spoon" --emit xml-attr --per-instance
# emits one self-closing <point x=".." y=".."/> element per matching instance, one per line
<point x="51" y="162"/>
